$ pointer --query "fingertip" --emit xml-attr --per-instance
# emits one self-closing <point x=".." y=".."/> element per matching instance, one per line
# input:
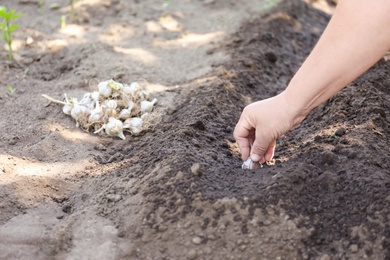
<point x="263" y="160"/>
<point x="269" y="154"/>
<point x="255" y="157"/>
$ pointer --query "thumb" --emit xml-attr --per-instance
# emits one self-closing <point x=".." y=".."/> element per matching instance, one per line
<point x="260" y="147"/>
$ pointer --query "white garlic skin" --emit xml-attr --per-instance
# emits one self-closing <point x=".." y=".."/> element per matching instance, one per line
<point x="144" y="116"/>
<point x="87" y="101"/>
<point x="127" y="90"/>
<point x="67" y="109"/>
<point x="134" y="125"/>
<point x="95" y="117"/>
<point x="112" y="104"/>
<point x="147" y="106"/>
<point x="133" y="122"/>
<point x="135" y="86"/>
<point x="251" y="165"/>
<point x="104" y="89"/>
<point x="79" y="112"/>
<point x="132" y="89"/>
<point x="96" y="114"/>
<point x="143" y="95"/>
<point x="130" y="105"/>
<point x="124" y="114"/>
<point x="114" y="127"/>
<point x="135" y="130"/>
<point x="95" y="95"/>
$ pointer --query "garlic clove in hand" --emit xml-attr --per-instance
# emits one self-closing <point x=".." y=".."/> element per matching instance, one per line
<point x="114" y="127"/>
<point x="251" y="165"/>
<point x="147" y="106"/>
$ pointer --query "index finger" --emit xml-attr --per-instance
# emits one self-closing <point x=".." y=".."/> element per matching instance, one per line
<point x="243" y="135"/>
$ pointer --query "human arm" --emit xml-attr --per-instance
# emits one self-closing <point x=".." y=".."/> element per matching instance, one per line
<point x="356" y="37"/>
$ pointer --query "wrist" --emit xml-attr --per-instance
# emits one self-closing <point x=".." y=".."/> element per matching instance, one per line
<point x="295" y="111"/>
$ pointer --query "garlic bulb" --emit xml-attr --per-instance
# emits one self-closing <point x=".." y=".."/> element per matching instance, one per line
<point x="147" y="106"/>
<point x="127" y="90"/>
<point x="251" y="165"/>
<point x="130" y="105"/>
<point x="87" y="101"/>
<point x="111" y="104"/>
<point x="110" y="108"/>
<point x="143" y="95"/>
<point x="96" y="114"/>
<point x="132" y="89"/>
<point x="115" y="85"/>
<point x="114" y="127"/>
<point x="134" y="125"/>
<point x="79" y="112"/>
<point x="124" y="114"/>
<point x="145" y="115"/>
<point x="95" y="95"/>
<point x="135" y="86"/>
<point x="104" y="89"/>
<point x="86" y="98"/>
<point x="68" y="106"/>
<point x="67" y="109"/>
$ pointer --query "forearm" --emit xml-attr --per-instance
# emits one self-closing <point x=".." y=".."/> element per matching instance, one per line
<point x="357" y="36"/>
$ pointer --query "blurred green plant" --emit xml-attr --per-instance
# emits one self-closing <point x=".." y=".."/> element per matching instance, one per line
<point x="72" y="15"/>
<point x="54" y="6"/>
<point x="7" y="27"/>
<point x="269" y="4"/>
<point x="63" y="21"/>
<point x="72" y="9"/>
<point x="11" y="89"/>
<point x="41" y="3"/>
<point x="167" y="3"/>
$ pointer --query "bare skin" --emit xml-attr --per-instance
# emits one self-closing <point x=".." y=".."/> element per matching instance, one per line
<point x="356" y="37"/>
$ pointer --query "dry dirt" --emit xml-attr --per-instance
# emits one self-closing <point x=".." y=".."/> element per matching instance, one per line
<point x="68" y="194"/>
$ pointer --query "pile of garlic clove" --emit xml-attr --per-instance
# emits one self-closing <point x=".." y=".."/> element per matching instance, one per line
<point x="112" y="109"/>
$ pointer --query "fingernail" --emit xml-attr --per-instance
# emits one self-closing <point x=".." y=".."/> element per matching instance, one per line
<point x="255" y="157"/>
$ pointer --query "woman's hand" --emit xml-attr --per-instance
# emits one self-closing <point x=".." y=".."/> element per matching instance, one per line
<point x="260" y="124"/>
